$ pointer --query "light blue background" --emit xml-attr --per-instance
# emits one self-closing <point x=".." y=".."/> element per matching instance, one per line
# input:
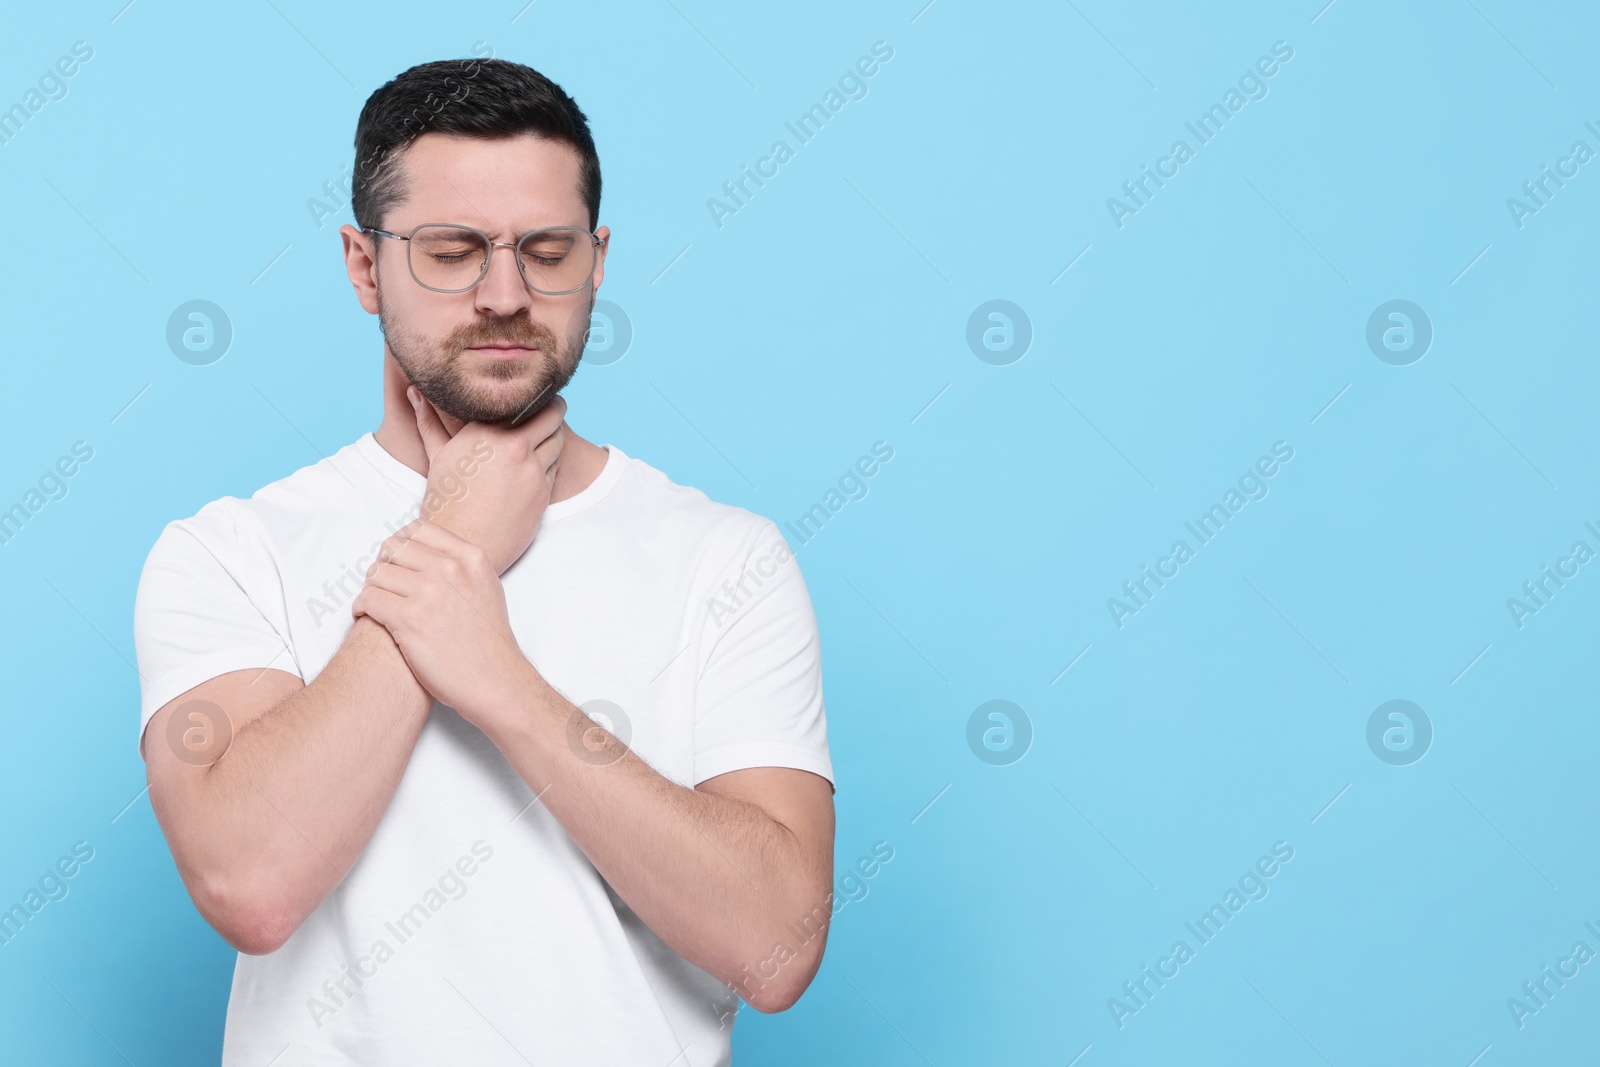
<point x="1228" y="314"/>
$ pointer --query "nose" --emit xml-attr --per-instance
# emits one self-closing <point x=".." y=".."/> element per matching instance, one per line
<point x="502" y="291"/>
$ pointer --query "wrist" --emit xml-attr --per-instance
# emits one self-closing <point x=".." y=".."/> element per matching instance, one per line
<point x="373" y="639"/>
<point x="512" y="698"/>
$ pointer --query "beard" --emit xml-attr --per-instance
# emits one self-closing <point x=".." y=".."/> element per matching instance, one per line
<point x="444" y="374"/>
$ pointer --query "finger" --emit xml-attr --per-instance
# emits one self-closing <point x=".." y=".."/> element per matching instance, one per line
<point x="429" y="426"/>
<point x="380" y="604"/>
<point x="549" y="450"/>
<point x="436" y="539"/>
<point x="392" y="578"/>
<point x="406" y="549"/>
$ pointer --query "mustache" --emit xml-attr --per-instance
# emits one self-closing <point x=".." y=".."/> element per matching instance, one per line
<point x="529" y="335"/>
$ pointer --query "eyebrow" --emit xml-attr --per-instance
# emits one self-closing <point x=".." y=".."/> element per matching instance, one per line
<point x="463" y="228"/>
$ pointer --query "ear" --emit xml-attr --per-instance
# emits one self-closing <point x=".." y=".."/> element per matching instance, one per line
<point x="361" y="264"/>
<point x="604" y="233"/>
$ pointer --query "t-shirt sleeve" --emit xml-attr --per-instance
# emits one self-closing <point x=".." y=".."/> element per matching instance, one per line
<point x="760" y="685"/>
<point x="192" y="618"/>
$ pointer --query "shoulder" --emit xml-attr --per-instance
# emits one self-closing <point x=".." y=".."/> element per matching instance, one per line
<point x="687" y="515"/>
<point x="230" y="526"/>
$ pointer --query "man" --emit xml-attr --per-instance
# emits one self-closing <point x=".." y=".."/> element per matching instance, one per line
<point x="541" y="777"/>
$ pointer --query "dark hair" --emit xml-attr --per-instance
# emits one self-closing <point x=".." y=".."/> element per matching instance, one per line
<point x="488" y="98"/>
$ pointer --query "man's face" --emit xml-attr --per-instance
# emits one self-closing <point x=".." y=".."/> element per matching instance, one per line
<point x="505" y="188"/>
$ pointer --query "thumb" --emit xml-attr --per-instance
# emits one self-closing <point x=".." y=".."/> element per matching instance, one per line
<point x="429" y="426"/>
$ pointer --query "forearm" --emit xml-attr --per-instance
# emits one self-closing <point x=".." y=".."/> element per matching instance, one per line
<point x="668" y="851"/>
<point x="288" y="809"/>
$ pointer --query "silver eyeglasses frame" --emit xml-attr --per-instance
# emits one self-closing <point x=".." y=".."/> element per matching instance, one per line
<point x="596" y="243"/>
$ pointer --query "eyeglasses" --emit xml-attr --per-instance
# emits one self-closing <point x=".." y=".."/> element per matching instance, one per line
<point x="450" y="258"/>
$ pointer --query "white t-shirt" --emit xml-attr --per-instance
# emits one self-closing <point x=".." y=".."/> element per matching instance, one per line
<point x="472" y="929"/>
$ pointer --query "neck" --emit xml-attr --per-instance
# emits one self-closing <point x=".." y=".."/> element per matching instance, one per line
<point x="579" y="464"/>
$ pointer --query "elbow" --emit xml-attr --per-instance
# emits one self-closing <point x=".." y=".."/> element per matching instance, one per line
<point x="784" y="991"/>
<point x="773" y="999"/>
<point x="246" y="920"/>
<point x="783" y="978"/>
<point x="255" y="936"/>
<point x="791" y="955"/>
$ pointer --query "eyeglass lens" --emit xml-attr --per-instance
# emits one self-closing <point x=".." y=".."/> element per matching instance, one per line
<point x="449" y="257"/>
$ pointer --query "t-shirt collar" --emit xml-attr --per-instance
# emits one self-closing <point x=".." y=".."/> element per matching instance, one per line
<point x="416" y="484"/>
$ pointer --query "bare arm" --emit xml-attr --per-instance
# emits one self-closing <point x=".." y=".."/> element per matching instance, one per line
<point x="734" y="874"/>
<point x="270" y="828"/>
<point x="262" y="835"/>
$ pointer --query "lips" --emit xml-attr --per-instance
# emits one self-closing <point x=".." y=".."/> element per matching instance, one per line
<point x="503" y="351"/>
